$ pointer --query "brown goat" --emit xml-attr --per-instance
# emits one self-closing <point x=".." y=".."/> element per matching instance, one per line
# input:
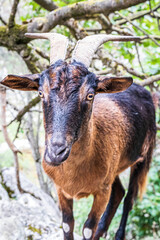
<point x="91" y="138"/>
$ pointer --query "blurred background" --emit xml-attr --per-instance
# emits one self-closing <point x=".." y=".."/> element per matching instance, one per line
<point x="26" y="194"/>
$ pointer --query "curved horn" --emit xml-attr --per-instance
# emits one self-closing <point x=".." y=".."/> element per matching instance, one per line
<point x="59" y="44"/>
<point x="86" y="47"/>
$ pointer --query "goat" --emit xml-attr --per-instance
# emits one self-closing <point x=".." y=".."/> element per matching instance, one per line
<point x="91" y="138"/>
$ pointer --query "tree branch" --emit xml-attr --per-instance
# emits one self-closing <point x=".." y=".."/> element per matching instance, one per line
<point x="149" y="80"/>
<point x="31" y="60"/>
<point x="13" y="106"/>
<point x="137" y="15"/>
<point x="47" y="4"/>
<point x="3" y="119"/>
<point x="6" y="136"/>
<point x="42" y="54"/>
<point x="103" y="72"/>
<point x="139" y="59"/>
<point x="76" y="31"/>
<point x="2" y="20"/>
<point x="11" y="145"/>
<point x="128" y="69"/>
<point x="79" y="10"/>
<point x="11" y="22"/>
<point x="18" y="128"/>
<point x="34" y="143"/>
<point x="140" y="29"/>
<point x="24" y="110"/>
<point x="153" y="36"/>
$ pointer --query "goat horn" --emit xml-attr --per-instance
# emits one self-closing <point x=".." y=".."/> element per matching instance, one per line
<point x="85" y="48"/>
<point x="59" y="44"/>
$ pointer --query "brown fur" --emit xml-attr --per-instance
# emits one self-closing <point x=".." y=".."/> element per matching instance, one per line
<point x="78" y="176"/>
<point x="89" y="143"/>
<point x="88" y="171"/>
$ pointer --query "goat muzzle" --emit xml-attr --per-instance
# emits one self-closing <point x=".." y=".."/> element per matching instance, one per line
<point x="57" y="153"/>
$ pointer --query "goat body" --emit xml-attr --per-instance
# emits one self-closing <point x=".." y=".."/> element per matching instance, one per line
<point x="120" y="134"/>
<point x="93" y="132"/>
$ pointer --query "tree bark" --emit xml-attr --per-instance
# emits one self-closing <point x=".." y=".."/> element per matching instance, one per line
<point x="79" y="10"/>
<point x="47" y="4"/>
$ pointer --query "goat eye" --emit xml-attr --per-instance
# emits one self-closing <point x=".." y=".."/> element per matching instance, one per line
<point x="90" y="96"/>
<point x="41" y="94"/>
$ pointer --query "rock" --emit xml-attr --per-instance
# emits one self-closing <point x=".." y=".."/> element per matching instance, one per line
<point x="3" y="193"/>
<point x="9" y="180"/>
<point x="11" y="229"/>
<point x="35" y="221"/>
<point x="25" y="222"/>
<point x="26" y="217"/>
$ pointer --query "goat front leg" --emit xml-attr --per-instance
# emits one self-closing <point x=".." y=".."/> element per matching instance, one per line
<point x="99" y="204"/>
<point x="66" y="206"/>
<point x="116" y="196"/>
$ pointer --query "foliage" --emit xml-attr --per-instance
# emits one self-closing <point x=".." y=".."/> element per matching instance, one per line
<point x="81" y="211"/>
<point x="145" y="217"/>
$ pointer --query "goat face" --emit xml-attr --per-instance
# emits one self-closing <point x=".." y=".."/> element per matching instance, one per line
<point x="67" y="92"/>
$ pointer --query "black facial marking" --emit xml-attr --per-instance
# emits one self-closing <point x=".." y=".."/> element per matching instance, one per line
<point x="65" y="105"/>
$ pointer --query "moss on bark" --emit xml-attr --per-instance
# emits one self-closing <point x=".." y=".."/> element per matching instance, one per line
<point x="13" y="37"/>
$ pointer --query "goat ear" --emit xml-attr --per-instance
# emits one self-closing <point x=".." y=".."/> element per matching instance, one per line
<point x="28" y="82"/>
<point x="113" y="84"/>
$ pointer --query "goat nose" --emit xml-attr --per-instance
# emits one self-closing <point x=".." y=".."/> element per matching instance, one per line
<point x="59" y="149"/>
<point x="57" y="153"/>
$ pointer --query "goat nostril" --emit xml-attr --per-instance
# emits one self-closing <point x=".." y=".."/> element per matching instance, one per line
<point x="56" y="154"/>
<point x="60" y="151"/>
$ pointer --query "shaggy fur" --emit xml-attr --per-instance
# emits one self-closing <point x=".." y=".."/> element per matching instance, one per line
<point x="93" y="132"/>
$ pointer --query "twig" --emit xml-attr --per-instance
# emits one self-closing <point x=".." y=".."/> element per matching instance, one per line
<point x="11" y="145"/>
<point x="42" y="54"/>
<point x="2" y="20"/>
<point x="76" y="30"/>
<point x="105" y="22"/>
<point x="137" y="15"/>
<point x="13" y="106"/>
<point x="13" y="13"/>
<point x="38" y="111"/>
<point x="25" y="109"/>
<point x="153" y="36"/>
<point x="121" y="31"/>
<point x="128" y="69"/>
<point x="138" y="56"/>
<point x="150" y="6"/>
<point x="156" y="15"/>
<point x="103" y="72"/>
<point x="153" y="14"/>
<point x="18" y="128"/>
<point x="6" y="136"/>
<point x="149" y="80"/>
<point x="33" y="138"/>
<point x="30" y="58"/>
<point x="144" y="32"/>
<point x="158" y="22"/>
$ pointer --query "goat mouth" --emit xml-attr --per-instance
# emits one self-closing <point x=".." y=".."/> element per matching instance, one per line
<point x="56" y="160"/>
